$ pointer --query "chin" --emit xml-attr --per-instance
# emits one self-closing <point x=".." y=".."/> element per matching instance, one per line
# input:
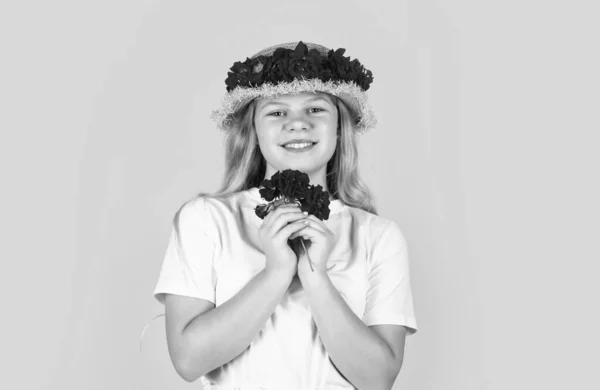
<point x="306" y="168"/>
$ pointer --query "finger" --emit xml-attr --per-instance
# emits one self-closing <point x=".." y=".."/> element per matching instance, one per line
<point x="317" y="220"/>
<point x="310" y="233"/>
<point x="285" y="208"/>
<point x="293" y="227"/>
<point x="299" y="233"/>
<point x="280" y="225"/>
<point x="281" y="210"/>
<point x="283" y="205"/>
<point x="286" y="218"/>
<point x="316" y="224"/>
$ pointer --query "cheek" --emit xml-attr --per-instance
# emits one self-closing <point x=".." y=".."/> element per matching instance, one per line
<point x="332" y="146"/>
<point x="328" y="148"/>
<point x="267" y="143"/>
<point x="262" y="134"/>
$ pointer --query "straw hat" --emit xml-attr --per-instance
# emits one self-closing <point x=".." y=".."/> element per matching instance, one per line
<point x="298" y="67"/>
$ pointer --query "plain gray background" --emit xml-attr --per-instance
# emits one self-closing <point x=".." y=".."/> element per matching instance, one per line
<point x="486" y="154"/>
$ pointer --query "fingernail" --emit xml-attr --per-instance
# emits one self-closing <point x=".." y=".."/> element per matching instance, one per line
<point x="305" y="212"/>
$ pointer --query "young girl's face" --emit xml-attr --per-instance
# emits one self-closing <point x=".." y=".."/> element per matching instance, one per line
<point x="304" y="116"/>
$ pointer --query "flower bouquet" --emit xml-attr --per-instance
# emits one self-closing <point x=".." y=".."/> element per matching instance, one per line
<point x="292" y="186"/>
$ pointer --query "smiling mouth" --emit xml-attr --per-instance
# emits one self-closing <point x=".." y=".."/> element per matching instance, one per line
<point x="299" y="147"/>
<point x="296" y="144"/>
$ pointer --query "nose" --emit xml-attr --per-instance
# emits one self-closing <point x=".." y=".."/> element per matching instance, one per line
<point x="298" y="122"/>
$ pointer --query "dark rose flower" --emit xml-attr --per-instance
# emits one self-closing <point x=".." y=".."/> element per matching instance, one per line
<point x="240" y="72"/>
<point x="262" y="210"/>
<point x="300" y="51"/>
<point x="292" y="183"/>
<point x="314" y="62"/>
<point x="353" y="70"/>
<point x="258" y="67"/>
<point x="305" y="64"/>
<point x="365" y="78"/>
<point x="360" y="75"/>
<point x="338" y="64"/>
<point x="297" y="65"/>
<point x="342" y="68"/>
<point x="316" y="202"/>
<point x="269" y="191"/>
<point x="278" y="70"/>
<point x="292" y="186"/>
<point x="231" y="81"/>
<point x="326" y="74"/>
<point x="261" y="66"/>
<point x="299" y="68"/>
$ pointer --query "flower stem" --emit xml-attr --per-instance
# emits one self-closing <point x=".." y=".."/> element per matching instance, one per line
<point x="305" y="251"/>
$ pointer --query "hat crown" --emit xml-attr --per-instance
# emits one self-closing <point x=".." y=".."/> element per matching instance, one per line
<point x="291" y="45"/>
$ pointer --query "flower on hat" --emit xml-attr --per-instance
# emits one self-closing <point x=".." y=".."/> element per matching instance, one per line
<point x="258" y="67"/>
<point x="286" y="65"/>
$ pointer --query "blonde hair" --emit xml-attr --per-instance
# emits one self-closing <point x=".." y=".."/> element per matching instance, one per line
<point x="245" y="166"/>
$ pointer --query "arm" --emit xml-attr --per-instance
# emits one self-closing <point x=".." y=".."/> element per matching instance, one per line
<point x="361" y="355"/>
<point x="217" y="336"/>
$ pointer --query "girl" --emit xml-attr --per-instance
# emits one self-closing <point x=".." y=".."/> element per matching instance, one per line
<point x="242" y="310"/>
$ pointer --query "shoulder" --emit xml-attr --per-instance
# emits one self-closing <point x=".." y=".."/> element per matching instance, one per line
<point x="211" y="205"/>
<point x="382" y="235"/>
<point x="216" y="213"/>
<point x="190" y="215"/>
<point x="376" y="225"/>
<point x="192" y="209"/>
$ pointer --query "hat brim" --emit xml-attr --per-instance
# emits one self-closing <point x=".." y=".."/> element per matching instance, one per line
<point x="354" y="97"/>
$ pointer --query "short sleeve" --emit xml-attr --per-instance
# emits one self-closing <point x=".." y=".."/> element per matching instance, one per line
<point x="188" y="264"/>
<point x="389" y="295"/>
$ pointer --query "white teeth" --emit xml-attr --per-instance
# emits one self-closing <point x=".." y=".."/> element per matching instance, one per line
<point x="298" y="146"/>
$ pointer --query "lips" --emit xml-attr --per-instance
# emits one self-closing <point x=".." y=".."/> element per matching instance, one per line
<point x="298" y="141"/>
<point x="299" y="150"/>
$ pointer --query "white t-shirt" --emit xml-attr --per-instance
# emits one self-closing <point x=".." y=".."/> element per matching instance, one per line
<point x="368" y="265"/>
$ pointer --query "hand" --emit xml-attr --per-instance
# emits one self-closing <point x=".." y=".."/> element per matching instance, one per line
<point x="274" y="232"/>
<point x="319" y="248"/>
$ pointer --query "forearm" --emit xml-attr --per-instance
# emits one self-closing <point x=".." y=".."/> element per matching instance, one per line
<point x="219" y="335"/>
<point x="357" y="351"/>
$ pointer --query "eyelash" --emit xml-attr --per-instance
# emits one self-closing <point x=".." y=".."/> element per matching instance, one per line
<point x="314" y="108"/>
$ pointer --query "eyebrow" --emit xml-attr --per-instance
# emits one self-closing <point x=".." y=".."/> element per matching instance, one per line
<point x="313" y="99"/>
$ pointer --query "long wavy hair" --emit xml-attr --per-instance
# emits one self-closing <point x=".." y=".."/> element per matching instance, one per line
<point x="245" y="166"/>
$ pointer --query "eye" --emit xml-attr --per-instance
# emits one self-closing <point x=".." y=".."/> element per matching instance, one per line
<point x="318" y="109"/>
<point x="274" y="113"/>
